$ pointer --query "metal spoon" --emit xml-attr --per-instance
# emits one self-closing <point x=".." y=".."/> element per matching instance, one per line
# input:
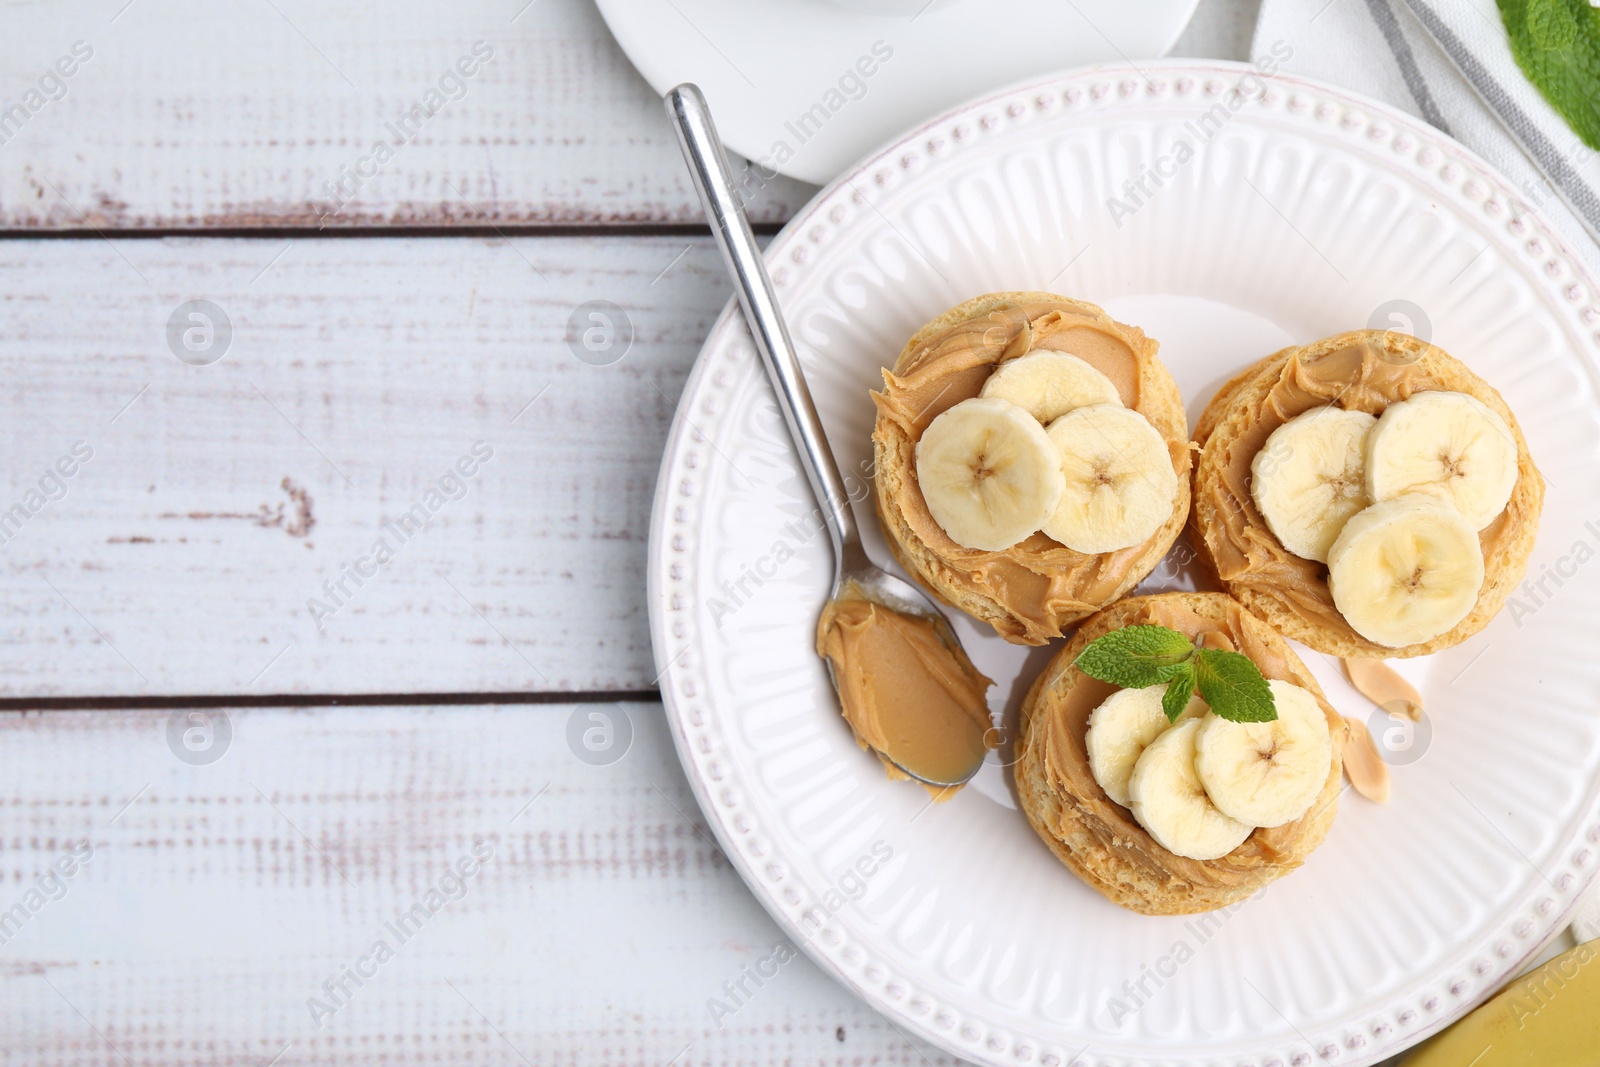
<point x="854" y="571"/>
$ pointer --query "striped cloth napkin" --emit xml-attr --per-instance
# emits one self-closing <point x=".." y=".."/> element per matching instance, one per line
<point x="1381" y="48"/>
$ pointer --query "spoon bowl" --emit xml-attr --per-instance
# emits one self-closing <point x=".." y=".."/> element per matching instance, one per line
<point x="868" y="581"/>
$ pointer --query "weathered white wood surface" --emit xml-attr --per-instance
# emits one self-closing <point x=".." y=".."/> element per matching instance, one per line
<point x="218" y="899"/>
<point x="219" y="498"/>
<point x="179" y="561"/>
<point x="191" y="114"/>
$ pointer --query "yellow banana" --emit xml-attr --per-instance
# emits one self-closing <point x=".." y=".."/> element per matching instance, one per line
<point x="1550" y="1017"/>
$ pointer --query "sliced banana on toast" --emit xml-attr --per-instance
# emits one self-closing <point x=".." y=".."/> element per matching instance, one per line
<point x="1447" y="443"/>
<point x="1121" y="728"/>
<point x="989" y="473"/>
<point x="1406" y="570"/>
<point x="1169" y="800"/>
<point x="1048" y="384"/>
<point x="1310" y="478"/>
<point x="1266" y="773"/>
<point x="1119" y="485"/>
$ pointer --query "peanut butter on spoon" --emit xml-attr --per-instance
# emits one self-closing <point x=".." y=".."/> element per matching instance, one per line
<point x="908" y="694"/>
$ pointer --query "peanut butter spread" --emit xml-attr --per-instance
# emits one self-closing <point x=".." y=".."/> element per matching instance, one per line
<point x="1039" y="580"/>
<point x="1356" y="378"/>
<point x="1066" y="760"/>
<point x="907" y="695"/>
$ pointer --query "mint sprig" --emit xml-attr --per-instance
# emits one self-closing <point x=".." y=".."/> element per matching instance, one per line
<point x="1136" y="657"/>
<point x="1557" y="45"/>
<point x="1229" y="680"/>
<point x="1179" y="690"/>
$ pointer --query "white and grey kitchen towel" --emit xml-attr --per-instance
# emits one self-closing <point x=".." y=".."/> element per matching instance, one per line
<point x="1381" y="48"/>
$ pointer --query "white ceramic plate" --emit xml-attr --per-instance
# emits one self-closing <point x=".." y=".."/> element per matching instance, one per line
<point x="1306" y="212"/>
<point x="768" y="67"/>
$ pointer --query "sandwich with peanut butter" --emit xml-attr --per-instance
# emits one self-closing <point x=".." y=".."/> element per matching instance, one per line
<point x="1367" y="495"/>
<point x="1032" y="460"/>
<point x="1177" y="755"/>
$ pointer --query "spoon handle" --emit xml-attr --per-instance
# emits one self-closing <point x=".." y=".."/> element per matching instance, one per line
<point x="713" y="179"/>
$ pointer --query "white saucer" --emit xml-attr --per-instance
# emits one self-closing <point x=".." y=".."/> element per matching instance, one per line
<point x="766" y="66"/>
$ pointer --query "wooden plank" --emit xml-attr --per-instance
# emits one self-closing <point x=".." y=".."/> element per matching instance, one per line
<point x="209" y="903"/>
<point x="185" y="555"/>
<point x="187" y="114"/>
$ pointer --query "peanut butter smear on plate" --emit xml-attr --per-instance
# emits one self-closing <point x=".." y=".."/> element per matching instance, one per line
<point x="908" y="696"/>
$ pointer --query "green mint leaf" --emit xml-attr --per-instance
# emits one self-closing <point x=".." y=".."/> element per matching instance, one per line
<point x="1136" y="657"/>
<point x="1179" y="690"/>
<point x="1551" y="23"/>
<point x="1557" y="45"/>
<point x="1233" y="686"/>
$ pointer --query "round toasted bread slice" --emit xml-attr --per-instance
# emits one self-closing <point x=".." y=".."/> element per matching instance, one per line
<point x="1099" y="839"/>
<point x="1038" y="588"/>
<point x="1364" y="370"/>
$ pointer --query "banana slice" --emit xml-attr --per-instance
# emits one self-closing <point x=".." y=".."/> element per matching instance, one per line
<point x="1121" y="728"/>
<point x="1406" y="570"/>
<point x="1120" y="486"/>
<point x="1266" y="773"/>
<point x="1049" y="384"/>
<point x="1167" y="797"/>
<point x="1446" y="443"/>
<point x="1310" y="477"/>
<point x="989" y="473"/>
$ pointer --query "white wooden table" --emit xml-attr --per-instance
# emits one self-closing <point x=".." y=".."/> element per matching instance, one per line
<point x="242" y="777"/>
